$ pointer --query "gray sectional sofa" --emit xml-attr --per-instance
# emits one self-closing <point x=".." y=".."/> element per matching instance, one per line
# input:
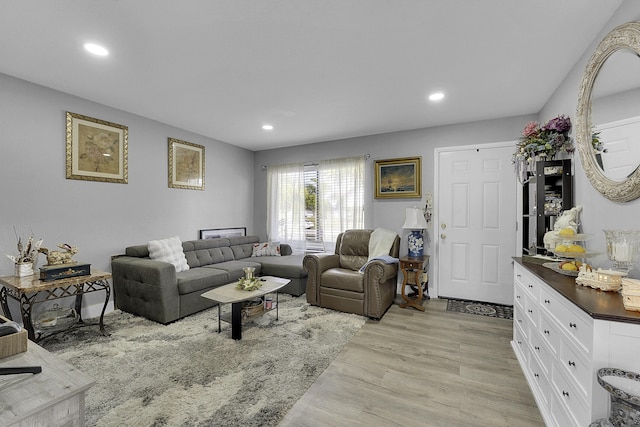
<point x="154" y="290"/>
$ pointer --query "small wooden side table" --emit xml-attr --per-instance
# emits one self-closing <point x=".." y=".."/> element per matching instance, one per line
<point x="412" y="269"/>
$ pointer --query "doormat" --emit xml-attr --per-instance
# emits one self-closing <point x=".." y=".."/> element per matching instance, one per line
<point x="481" y="308"/>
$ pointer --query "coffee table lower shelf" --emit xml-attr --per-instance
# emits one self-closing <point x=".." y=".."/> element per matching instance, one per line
<point x="244" y="317"/>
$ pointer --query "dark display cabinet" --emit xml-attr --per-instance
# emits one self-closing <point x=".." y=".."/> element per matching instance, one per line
<point x="545" y="196"/>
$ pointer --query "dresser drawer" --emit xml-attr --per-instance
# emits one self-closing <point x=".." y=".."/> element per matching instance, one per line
<point x="520" y="341"/>
<point x="575" y="365"/>
<point x="565" y="392"/>
<point x="518" y="296"/>
<point x="560" y="415"/>
<point x="531" y="309"/>
<point x="521" y="320"/>
<point x="550" y="332"/>
<point x="528" y="282"/>
<point x="541" y="351"/>
<point x="573" y="322"/>
<point x="541" y="381"/>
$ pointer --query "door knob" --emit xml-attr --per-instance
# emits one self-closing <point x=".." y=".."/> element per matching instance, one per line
<point x="444" y="236"/>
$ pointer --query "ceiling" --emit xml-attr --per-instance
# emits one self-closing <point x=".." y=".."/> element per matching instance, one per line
<point x="316" y="70"/>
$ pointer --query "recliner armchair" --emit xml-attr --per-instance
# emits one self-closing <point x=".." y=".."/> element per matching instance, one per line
<point x="335" y="282"/>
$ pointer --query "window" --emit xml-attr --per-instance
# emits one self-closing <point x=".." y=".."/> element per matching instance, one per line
<point x="310" y="205"/>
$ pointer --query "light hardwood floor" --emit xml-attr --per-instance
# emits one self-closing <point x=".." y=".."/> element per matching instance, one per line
<point x="432" y="368"/>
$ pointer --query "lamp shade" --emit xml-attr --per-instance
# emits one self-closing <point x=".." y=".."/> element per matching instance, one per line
<point x="414" y="219"/>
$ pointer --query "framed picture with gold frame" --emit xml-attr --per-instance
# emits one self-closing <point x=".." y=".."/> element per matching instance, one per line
<point x="398" y="178"/>
<point x="186" y="165"/>
<point x="97" y="150"/>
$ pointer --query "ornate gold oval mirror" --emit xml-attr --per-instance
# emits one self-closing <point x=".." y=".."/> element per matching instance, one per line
<point x="608" y="115"/>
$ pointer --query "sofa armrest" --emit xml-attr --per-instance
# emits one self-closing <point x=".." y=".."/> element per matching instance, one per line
<point x="315" y="265"/>
<point x="146" y="287"/>
<point x="380" y="272"/>
<point x="380" y="283"/>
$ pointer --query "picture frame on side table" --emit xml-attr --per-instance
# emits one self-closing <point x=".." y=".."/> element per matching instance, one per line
<point x="186" y="165"/>
<point x="398" y="178"/>
<point x="214" y="233"/>
<point x="96" y="150"/>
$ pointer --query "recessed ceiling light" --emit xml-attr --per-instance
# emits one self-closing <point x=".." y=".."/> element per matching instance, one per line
<point x="437" y="96"/>
<point x="96" y="49"/>
<point x="267" y="127"/>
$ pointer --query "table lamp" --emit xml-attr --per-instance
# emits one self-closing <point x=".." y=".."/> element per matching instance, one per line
<point x="416" y="223"/>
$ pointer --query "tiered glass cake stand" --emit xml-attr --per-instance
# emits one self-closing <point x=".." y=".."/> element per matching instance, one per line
<point x="562" y="256"/>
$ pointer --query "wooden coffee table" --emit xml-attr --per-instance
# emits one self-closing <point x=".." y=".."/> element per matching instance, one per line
<point x="229" y="294"/>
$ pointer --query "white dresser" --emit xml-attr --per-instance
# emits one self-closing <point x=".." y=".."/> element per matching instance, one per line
<point x="54" y="397"/>
<point x="562" y="334"/>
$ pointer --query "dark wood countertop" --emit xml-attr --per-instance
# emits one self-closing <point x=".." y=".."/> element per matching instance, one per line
<point x="596" y="303"/>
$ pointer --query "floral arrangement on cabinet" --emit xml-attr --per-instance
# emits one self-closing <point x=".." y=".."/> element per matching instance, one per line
<point x="542" y="142"/>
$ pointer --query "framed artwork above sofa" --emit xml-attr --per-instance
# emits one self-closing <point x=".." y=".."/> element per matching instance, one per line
<point x="214" y="233"/>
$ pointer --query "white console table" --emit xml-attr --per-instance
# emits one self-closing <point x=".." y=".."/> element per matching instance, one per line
<point x="562" y="334"/>
<point x="54" y="397"/>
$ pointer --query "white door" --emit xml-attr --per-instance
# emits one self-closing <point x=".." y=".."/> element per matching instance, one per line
<point x="621" y="142"/>
<point x="475" y="232"/>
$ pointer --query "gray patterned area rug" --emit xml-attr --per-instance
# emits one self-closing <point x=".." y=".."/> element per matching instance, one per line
<point x="186" y="374"/>
<point x="481" y="308"/>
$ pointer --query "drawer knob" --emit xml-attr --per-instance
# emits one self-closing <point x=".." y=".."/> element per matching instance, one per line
<point x="572" y="363"/>
<point x="518" y="296"/>
<point x="530" y="286"/>
<point x="536" y="375"/>
<point x="537" y="348"/>
<point x="547" y="301"/>
<point x="565" y="393"/>
<point x="572" y="325"/>
<point x="519" y="320"/>
<point x="530" y="311"/>
<point x="517" y="275"/>
<point x="546" y="331"/>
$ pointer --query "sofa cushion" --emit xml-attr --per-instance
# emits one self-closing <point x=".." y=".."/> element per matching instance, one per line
<point x="200" y="279"/>
<point x="344" y="279"/>
<point x="169" y="250"/>
<point x="354" y="248"/>
<point x="283" y="266"/>
<point x="266" y="249"/>
<point x="203" y="257"/>
<point x="234" y="268"/>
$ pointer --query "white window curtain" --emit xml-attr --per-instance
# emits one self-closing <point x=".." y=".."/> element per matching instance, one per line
<point x="341" y="197"/>
<point x="285" y="205"/>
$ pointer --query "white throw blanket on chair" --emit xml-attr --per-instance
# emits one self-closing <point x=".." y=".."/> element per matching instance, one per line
<point x="380" y="244"/>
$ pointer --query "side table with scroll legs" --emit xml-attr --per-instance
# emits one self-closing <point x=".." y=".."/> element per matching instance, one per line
<point x="412" y="269"/>
<point x="30" y="290"/>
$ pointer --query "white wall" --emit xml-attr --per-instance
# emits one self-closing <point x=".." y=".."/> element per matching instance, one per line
<point x="388" y="213"/>
<point x="101" y="219"/>
<point x="599" y="213"/>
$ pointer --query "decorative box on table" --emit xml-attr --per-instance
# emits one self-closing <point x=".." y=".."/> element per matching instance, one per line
<point x="63" y="271"/>
<point x="13" y="343"/>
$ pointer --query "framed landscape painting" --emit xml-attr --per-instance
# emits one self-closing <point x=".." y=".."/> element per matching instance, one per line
<point x="214" y="233"/>
<point x="186" y="165"/>
<point x="398" y="178"/>
<point x="96" y="149"/>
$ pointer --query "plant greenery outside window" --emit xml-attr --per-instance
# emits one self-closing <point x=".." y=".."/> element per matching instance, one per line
<point x="309" y="205"/>
<point x="541" y="142"/>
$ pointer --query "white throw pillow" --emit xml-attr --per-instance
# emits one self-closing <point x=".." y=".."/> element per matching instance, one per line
<point x="169" y="250"/>
<point x="266" y="249"/>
